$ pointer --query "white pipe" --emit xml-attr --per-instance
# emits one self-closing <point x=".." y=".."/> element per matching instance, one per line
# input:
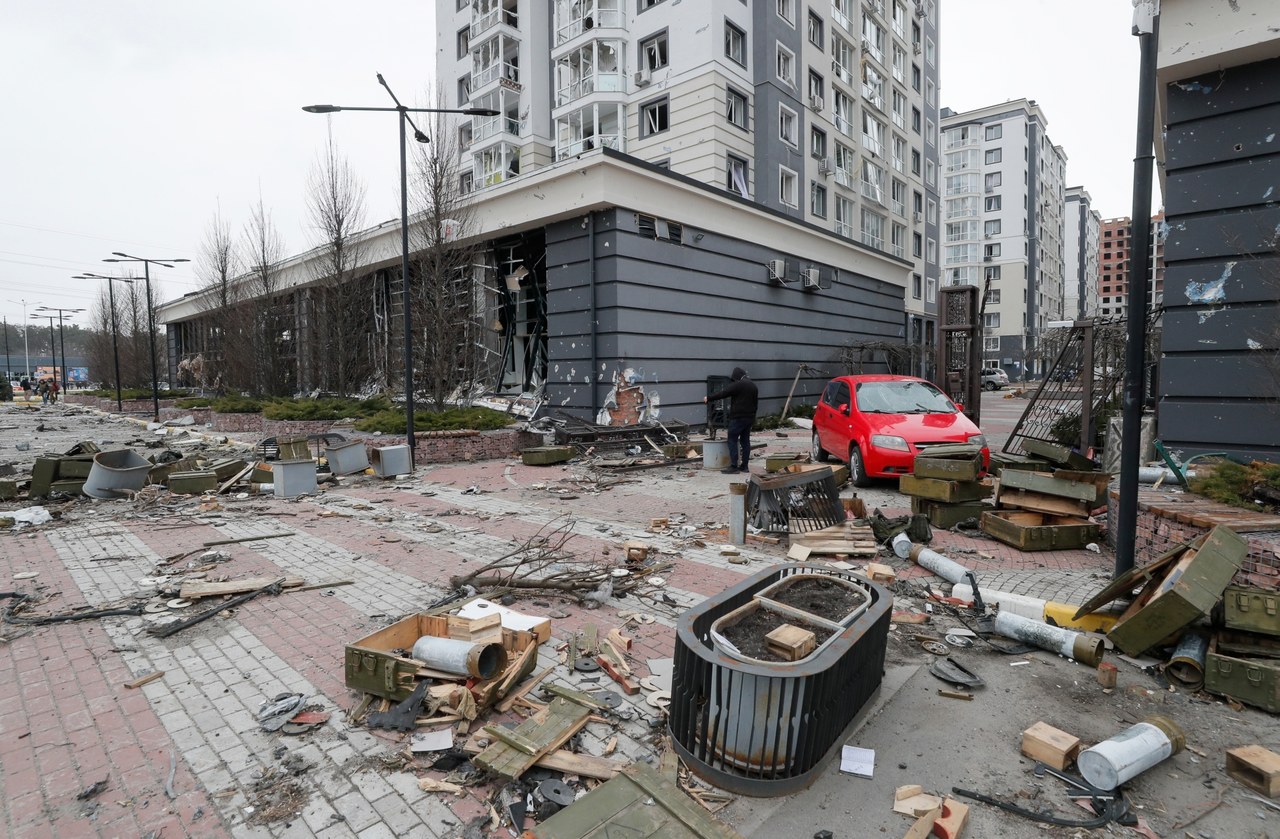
<point x="1130" y="753"/>
<point x="463" y="658"/>
<point x="1074" y="645"/>
<point x="1018" y="604"/>
<point x="1151" y="474"/>
<point x="933" y="561"/>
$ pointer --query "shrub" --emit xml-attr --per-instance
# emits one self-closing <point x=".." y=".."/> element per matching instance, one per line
<point x="323" y="409"/>
<point x="391" y="420"/>
<point x="237" y="405"/>
<point x="1239" y="486"/>
<point x="195" y="402"/>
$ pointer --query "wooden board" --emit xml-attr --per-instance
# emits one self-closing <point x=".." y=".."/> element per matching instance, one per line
<point x="1256" y="768"/>
<point x="1032" y="531"/>
<point x="637" y="803"/>
<point x="1040" y="502"/>
<point x="197" y="589"/>
<point x="1050" y="746"/>
<point x="563" y="760"/>
<point x="548" y="730"/>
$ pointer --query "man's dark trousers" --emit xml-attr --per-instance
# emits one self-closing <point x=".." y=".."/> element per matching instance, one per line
<point x="740" y="442"/>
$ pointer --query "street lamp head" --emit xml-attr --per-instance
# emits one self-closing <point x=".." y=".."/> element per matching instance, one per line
<point x="420" y="137"/>
<point x="321" y="109"/>
<point x="481" y="112"/>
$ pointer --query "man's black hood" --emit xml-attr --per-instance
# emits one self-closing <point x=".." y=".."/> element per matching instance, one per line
<point x="738" y="373"/>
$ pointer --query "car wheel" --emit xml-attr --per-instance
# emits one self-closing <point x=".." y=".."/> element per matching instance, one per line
<point x="992" y="386"/>
<point x="818" y="452"/>
<point x="857" y="469"/>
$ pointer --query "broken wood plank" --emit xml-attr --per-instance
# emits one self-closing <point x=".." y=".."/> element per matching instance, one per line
<point x="629" y="687"/>
<point x="547" y="731"/>
<point x="197" y="589"/>
<point x="235" y="480"/>
<point x="574" y="696"/>
<point x="314" y="586"/>
<point x="217" y="542"/>
<point x="515" y="669"/>
<point x="563" y="760"/>
<point x="512" y="739"/>
<point x="144" y="680"/>
<point x="172" y="628"/>
<point x="505" y="704"/>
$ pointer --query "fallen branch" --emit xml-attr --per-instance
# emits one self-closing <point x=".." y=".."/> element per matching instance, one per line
<point x="172" y="628"/>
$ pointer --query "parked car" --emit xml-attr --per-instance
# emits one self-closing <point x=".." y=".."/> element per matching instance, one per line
<point x="878" y="424"/>
<point x="993" y="378"/>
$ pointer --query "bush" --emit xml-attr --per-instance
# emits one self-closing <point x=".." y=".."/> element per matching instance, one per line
<point x="772" y="421"/>
<point x="132" y="393"/>
<point x="1239" y="486"/>
<point x="237" y="405"/>
<point x="195" y="402"/>
<point x="391" y="420"/>
<point x="324" y="409"/>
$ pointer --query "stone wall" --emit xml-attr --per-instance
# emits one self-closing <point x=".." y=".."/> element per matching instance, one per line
<point x="202" y="416"/>
<point x="236" y="422"/>
<point x="1158" y="532"/>
<point x="281" y="428"/>
<point x="463" y="446"/>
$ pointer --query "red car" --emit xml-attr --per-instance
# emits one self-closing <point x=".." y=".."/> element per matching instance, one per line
<point x="878" y="424"/>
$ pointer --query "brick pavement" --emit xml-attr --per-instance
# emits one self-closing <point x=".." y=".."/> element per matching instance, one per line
<point x="400" y="542"/>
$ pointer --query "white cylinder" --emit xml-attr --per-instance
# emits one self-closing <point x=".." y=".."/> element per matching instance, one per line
<point x="1018" y="604"/>
<point x="933" y="561"/>
<point x="1076" y="646"/>
<point x="901" y="545"/>
<point x="1130" y="753"/>
<point x="463" y="658"/>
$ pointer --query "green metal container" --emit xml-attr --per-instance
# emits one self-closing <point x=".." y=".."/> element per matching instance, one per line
<point x="946" y="516"/>
<point x="547" y="455"/>
<point x="951" y="492"/>
<point x="949" y="463"/>
<point x="1250" y="610"/>
<point x="43" y="473"/>
<point x="192" y="483"/>
<point x="77" y="466"/>
<point x="68" y="486"/>
<point x="1031" y="531"/>
<point x="1253" y="681"/>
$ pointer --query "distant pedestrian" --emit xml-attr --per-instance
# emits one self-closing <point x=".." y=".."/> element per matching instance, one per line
<point x="744" y="398"/>
<point x="26" y="389"/>
<point x="53" y="391"/>
<point x="43" y="390"/>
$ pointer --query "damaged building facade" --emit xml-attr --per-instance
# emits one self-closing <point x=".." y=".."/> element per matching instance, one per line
<point x="669" y="192"/>
<point x="1219" y="156"/>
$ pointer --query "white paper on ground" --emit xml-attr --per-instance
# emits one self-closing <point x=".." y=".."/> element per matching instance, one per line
<point x="433" y="741"/>
<point x="857" y="761"/>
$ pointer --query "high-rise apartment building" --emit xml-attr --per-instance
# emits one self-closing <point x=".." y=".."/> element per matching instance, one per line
<point x="1113" y="265"/>
<point x="1080" y="255"/>
<point x="1003" y="184"/>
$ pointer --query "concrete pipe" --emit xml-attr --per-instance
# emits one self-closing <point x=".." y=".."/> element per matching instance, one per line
<point x="463" y="658"/>
<point x="1151" y="474"/>
<point x="1131" y="752"/>
<point x="1074" y="645"/>
<point x="933" y="561"/>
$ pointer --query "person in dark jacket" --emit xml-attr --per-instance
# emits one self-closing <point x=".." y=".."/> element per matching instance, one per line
<point x="743" y="398"/>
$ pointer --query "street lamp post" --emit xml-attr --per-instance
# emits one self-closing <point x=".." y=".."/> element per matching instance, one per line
<point x="62" y="337"/>
<point x="26" y="351"/>
<point x="53" y="347"/>
<point x="115" y="329"/>
<point x="151" y="319"/>
<point x="404" y="223"/>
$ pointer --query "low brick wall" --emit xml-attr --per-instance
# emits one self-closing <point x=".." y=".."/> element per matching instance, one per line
<point x="235" y="422"/>
<point x="108" y="403"/>
<point x="202" y="416"/>
<point x="1159" y="531"/>
<point x="280" y="428"/>
<point x="463" y="446"/>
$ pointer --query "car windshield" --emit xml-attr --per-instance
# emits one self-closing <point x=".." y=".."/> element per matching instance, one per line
<point x="902" y="398"/>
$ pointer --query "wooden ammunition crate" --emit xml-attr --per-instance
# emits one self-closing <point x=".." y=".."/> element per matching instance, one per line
<point x="950" y="492"/>
<point x="946" y="516"/>
<point x="1250" y="610"/>
<point x="949" y="463"/>
<point x="1032" y="531"/>
<point x="547" y="455"/>
<point x="75" y="466"/>
<point x="1062" y="455"/>
<point x="374" y="666"/>
<point x="1253" y="681"/>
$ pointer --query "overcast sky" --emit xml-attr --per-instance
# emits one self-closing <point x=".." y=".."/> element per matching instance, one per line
<point x="127" y="124"/>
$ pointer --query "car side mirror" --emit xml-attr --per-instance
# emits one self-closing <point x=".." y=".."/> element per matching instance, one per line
<point x="844" y="408"/>
<point x="959" y="407"/>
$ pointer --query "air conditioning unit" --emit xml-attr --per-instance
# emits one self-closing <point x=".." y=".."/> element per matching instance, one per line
<point x="809" y="277"/>
<point x="915" y="216"/>
<point x="920" y="10"/>
<point x="824" y="166"/>
<point x="815" y="102"/>
<point x="986" y="235"/>
<point x="643" y="77"/>
<point x="915" y="48"/>
<point x="777" y="270"/>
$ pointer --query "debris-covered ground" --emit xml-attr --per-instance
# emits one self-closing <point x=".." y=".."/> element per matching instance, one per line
<point x="243" y="724"/>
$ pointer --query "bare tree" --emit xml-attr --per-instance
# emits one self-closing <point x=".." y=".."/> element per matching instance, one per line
<point x="99" y="349"/>
<point x="225" y="348"/>
<point x="447" y="290"/>
<point x="267" y="316"/>
<point x="336" y="344"/>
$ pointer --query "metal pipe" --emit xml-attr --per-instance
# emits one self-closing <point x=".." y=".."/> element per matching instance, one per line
<point x="1076" y="646"/>
<point x="1151" y="474"/>
<point x="404" y="288"/>
<point x="1146" y="24"/>
<point x="738" y="514"/>
<point x="462" y="658"/>
<point x="1186" y="666"/>
<point x="929" y="559"/>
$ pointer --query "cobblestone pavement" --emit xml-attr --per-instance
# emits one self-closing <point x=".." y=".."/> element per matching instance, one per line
<point x="184" y="756"/>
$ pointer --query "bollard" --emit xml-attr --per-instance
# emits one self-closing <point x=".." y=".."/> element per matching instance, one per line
<point x="1075" y="646"/>
<point x="1130" y="753"/>
<point x="738" y="514"/>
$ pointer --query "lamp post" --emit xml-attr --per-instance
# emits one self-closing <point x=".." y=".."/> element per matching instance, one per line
<point x="53" y="347"/>
<point x="115" y="329"/>
<point x="404" y="222"/>
<point x="62" y="337"/>
<point x="151" y="320"/>
<point x="26" y="352"/>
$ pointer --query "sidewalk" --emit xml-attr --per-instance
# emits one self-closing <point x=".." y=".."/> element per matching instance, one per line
<point x="67" y="721"/>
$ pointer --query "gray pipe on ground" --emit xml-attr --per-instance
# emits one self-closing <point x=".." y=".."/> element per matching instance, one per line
<point x="1186" y="666"/>
<point x="1074" y="645"/>
<point x="929" y="559"/>
<point x="462" y="658"/>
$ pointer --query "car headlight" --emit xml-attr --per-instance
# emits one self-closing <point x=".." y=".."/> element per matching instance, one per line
<point x="978" y="440"/>
<point x="887" y="441"/>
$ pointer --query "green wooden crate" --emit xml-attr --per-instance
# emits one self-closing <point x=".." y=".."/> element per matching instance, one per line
<point x="43" y="473"/>
<point x="547" y="455"/>
<point x="77" y="466"/>
<point x="1253" y="681"/>
<point x="951" y="492"/>
<point x="8" y="489"/>
<point x="1030" y="531"/>
<point x="1250" y="610"/>
<point x="678" y="451"/>
<point x="1047" y="484"/>
<point x="946" y="516"/>
<point x="192" y="483"/>
<point x="68" y="486"/>
<point x="949" y="463"/>
<point x="1062" y="455"/>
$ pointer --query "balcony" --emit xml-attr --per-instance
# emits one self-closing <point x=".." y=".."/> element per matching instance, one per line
<point x="899" y="208"/>
<point x="843" y="19"/>
<point x="899" y="121"/>
<point x="602" y="82"/>
<point x="843" y="124"/>
<point x="899" y="165"/>
<point x="597" y="19"/>
<point x="844" y="178"/>
<point x="586" y="144"/>
<point x="501" y="71"/>
<point x="872" y="145"/>
<point x="483" y="129"/>
<point x="960" y="142"/>
<point x="900" y="251"/>
<point x="488" y="20"/>
<point x="872" y="94"/>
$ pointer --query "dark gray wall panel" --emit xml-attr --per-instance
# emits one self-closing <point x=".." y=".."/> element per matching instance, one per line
<point x="1252" y="279"/>
<point x="1219" y="329"/>
<point x="1229" y="137"/>
<point x="1241" y="183"/>
<point x="1254" y="424"/>
<point x="1229" y="376"/>
<point x="1218" y="93"/>
<point x="1221" y="234"/>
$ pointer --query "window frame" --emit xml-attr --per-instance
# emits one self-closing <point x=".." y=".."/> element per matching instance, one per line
<point x="663" y="102"/>
<point x="732" y="95"/>
<point x="656" y="40"/>
<point x="782" y="52"/>
<point x="815" y="18"/>
<point x="732" y="30"/>
<point x="788" y="117"/>
<point x="817" y="191"/>
<point x="787" y="175"/>
<point x="745" y="166"/>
